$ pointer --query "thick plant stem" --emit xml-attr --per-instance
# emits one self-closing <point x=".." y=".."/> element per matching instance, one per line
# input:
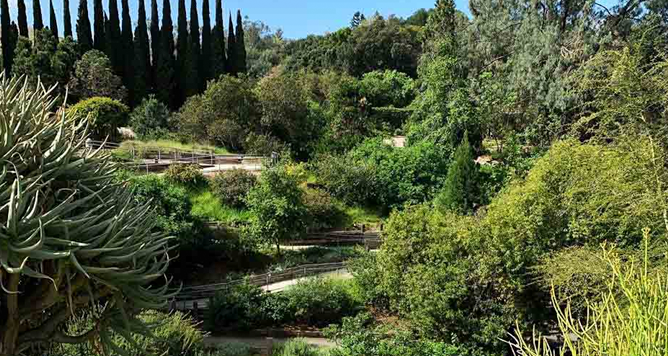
<point x="10" y="334"/>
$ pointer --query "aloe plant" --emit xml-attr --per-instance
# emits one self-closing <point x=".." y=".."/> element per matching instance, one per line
<point x="71" y="238"/>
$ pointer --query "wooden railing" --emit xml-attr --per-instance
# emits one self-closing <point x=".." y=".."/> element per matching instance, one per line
<point x="209" y="290"/>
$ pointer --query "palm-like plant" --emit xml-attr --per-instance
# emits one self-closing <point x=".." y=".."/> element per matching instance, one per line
<point x="71" y="238"/>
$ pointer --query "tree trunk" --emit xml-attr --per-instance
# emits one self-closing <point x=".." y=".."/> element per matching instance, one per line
<point x="10" y="332"/>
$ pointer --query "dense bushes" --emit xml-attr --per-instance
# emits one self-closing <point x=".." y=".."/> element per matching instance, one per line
<point x="150" y="119"/>
<point x="324" y="212"/>
<point x="172" y="335"/>
<point x="360" y="336"/>
<point x="377" y="174"/>
<point x="470" y="277"/>
<point x="189" y="175"/>
<point x="232" y="186"/>
<point x="314" y="302"/>
<point x="104" y="114"/>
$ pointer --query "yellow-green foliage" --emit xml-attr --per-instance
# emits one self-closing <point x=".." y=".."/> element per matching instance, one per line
<point x="630" y="319"/>
<point x="472" y="276"/>
<point x="104" y="114"/>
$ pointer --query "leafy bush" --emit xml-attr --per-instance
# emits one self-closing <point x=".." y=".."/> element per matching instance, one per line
<point x="150" y="119"/>
<point x="236" y="306"/>
<point x="277" y="208"/>
<point x="297" y="347"/>
<point x="388" y="88"/>
<point x="359" y="336"/>
<point x="314" y="302"/>
<point x="230" y="349"/>
<point x="320" y="301"/>
<point x="352" y="182"/>
<point x="323" y="210"/>
<point x="94" y="77"/>
<point x="232" y="186"/>
<point x="224" y="114"/>
<point x="189" y="175"/>
<point x="174" y="334"/>
<point x="105" y="115"/>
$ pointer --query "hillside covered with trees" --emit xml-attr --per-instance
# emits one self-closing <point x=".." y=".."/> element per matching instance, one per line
<point x="512" y="165"/>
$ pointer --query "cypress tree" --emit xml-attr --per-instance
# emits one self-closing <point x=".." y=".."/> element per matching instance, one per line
<point x="165" y="67"/>
<point x="240" y="45"/>
<point x="37" y="23"/>
<point x="127" y="47"/>
<point x="67" y="19"/>
<point x="23" y="19"/>
<point x="53" y="23"/>
<point x="155" y="41"/>
<point x="231" y="65"/>
<point x="460" y="190"/>
<point x="192" y="66"/>
<point x="181" y="52"/>
<point x="7" y="55"/>
<point x="114" y="48"/>
<point x="84" y="37"/>
<point x="205" y="59"/>
<point x="98" y="26"/>
<point x="218" y="43"/>
<point x="142" y="62"/>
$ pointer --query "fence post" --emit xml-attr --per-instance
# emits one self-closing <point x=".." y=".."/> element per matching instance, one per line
<point x="158" y="154"/>
<point x="363" y="228"/>
<point x="172" y="305"/>
<point x="195" y="309"/>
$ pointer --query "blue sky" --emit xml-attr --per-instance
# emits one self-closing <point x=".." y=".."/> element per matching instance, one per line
<point x="297" y="18"/>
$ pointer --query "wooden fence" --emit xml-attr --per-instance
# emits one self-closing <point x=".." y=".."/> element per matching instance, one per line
<point x="155" y="158"/>
<point x="187" y="297"/>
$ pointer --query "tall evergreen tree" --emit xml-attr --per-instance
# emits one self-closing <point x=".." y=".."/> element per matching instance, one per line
<point x="127" y="47"/>
<point x="7" y="55"/>
<point x="142" y="62"/>
<point x="460" y="190"/>
<point x="84" y="37"/>
<point x="67" y="19"/>
<point x="23" y="19"/>
<point x="53" y="23"/>
<point x="165" y="68"/>
<point x="205" y="59"/>
<point x="218" y="43"/>
<point x="192" y="66"/>
<point x="37" y="23"/>
<point x="240" y="45"/>
<point x="231" y="65"/>
<point x="181" y="52"/>
<point x="113" y="38"/>
<point x="155" y="41"/>
<point x="98" y="26"/>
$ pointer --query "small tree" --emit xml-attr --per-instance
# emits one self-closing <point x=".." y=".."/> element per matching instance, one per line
<point x="150" y="119"/>
<point x="93" y="76"/>
<point x="105" y="116"/>
<point x="277" y="208"/>
<point x="460" y="190"/>
<point x="71" y="238"/>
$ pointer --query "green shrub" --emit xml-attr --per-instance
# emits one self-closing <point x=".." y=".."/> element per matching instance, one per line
<point x="352" y="182"/>
<point x="238" y="306"/>
<point x="230" y="349"/>
<point x="297" y="347"/>
<point x="189" y="175"/>
<point x="277" y="208"/>
<point x="323" y="210"/>
<point x="232" y="186"/>
<point x="150" y="119"/>
<point x="170" y="201"/>
<point x="360" y="336"/>
<point x="174" y="334"/>
<point x="105" y="115"/>
<point x="320" y="301"/>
